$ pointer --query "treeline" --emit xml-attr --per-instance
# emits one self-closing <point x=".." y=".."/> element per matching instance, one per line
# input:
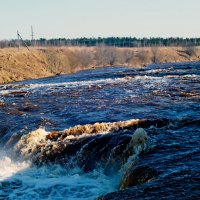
<point x="110" y="41"/>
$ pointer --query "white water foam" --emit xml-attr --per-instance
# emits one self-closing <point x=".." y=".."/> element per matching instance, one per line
<point x="30" y="87"/>
<point x="44" y="87"/>
<point x="8" y="167"/>
<point x="21" y="181"/>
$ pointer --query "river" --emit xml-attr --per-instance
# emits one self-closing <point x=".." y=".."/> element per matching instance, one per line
<point x="166" y="95"/>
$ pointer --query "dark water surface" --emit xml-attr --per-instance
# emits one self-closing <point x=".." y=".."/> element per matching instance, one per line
<point x="168" y="92"/>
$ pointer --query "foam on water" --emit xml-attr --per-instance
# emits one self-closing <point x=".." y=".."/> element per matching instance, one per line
<point x="54" y="181"/>
<point x="8" y="167"/>
<point x="9" y="89"/>
<point x="41" y="86"/>
<point x="20" y="180"/>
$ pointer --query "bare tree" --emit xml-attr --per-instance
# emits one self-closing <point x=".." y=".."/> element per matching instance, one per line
<point x="84" y="56"/>
<point x="154" y="51"/>
<point x="112" y="55"/>
<point x="126" y="56"/>
<point x="100" y="55"/>
<point x="191" y="51"/>
<point x="105" y="55"/>
<point x="143" y="55"/>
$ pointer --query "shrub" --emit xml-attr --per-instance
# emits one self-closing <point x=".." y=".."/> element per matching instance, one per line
<point x="191" y="51"/>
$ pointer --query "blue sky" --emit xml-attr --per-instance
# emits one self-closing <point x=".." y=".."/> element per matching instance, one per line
<point x="103" y="18"/>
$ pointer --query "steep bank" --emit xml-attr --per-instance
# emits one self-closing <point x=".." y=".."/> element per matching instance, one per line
<point x="21" y="64"/>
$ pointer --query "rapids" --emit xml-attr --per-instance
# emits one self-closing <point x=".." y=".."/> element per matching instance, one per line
<point x="71" y="136"/>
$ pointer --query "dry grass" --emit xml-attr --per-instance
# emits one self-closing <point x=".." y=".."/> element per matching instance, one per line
<point x="20" y="64"/>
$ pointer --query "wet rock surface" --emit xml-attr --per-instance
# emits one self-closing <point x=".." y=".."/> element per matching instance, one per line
<point x="91" y="150"/>
<point x="137" y="176"/>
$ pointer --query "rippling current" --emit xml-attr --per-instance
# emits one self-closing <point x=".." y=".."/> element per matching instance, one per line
<point x="167" y="96"/>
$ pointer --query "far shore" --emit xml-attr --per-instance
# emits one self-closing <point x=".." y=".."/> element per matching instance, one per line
<point x="22" y="64"/>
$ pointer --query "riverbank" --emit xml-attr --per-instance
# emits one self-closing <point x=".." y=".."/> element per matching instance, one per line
<point x="21" y="64"/>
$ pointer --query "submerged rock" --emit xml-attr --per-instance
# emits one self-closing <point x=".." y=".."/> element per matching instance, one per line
<point x="137" y="176"/>
<point x="139" y="138"/>
<point x="31" y="145"/>
<point x="90" y="145"/>
<point x="12" y="141"/>
<point x="99" y="151"/>
<point x="121" y="153"/>
<point x="2" y="104"/>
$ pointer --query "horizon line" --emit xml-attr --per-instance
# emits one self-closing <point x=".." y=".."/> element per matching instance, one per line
<point x="105" y="37"/>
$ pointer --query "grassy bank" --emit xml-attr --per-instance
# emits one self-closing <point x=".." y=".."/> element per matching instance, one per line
<point x="21" y="64"/>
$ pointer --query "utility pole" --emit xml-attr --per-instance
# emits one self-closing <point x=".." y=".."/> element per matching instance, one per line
<point x="18" y="39"/>
<point x="32" y="37"/>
